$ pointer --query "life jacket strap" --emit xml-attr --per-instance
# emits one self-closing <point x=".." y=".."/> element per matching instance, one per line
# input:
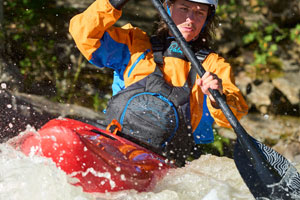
<point x="158" y="49"/>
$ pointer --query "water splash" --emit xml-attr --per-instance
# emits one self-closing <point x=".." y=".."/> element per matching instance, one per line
<point x="35" y="178"/>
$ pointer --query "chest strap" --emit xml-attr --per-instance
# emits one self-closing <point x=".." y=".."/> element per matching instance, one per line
<point x="158" y="49"/>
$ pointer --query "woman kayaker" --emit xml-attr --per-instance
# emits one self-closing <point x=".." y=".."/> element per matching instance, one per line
<point x="158" y="99"/>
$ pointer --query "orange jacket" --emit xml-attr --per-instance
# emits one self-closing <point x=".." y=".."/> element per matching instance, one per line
<point x="127" y="50"/>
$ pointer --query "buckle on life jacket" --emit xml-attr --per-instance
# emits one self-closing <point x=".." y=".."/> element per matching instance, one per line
<point x="114" y="127"/>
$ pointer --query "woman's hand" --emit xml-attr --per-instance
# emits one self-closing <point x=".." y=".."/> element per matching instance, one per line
<point x="210" y="80"/>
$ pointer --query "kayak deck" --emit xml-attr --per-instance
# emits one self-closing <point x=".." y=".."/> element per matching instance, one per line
<point x="98" y="159"/>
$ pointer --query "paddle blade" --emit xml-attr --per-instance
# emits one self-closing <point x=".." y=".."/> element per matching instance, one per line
<point x="287" y="188"/>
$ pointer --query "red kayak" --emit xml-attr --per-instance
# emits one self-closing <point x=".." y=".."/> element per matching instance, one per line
<point x="100" y="160"/>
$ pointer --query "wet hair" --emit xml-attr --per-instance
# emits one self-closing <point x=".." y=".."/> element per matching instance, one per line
<point x="205" y="36"/>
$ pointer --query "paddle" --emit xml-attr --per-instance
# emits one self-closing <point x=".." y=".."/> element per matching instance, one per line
<point x="266" y="173"/>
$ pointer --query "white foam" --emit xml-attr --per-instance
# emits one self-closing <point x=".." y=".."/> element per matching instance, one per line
<point x="33" y="178"/>
<point x="36" y="178"/>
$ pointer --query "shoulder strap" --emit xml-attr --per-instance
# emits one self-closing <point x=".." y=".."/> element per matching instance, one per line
<point x="157" y="48"/>
<point x="201" y="55"/>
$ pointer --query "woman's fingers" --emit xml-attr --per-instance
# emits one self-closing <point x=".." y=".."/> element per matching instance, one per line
<point x="212" y="81"/>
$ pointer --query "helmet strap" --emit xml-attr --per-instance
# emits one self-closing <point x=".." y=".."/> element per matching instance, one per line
<point x="168" y="8"/>
<point x="203" y="27"/>
<point x="207" y="19"/>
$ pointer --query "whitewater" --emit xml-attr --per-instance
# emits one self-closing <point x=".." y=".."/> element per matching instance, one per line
<point x="37" y="178"/>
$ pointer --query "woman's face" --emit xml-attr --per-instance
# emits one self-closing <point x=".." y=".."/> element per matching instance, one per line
<point x="189" y="17"/>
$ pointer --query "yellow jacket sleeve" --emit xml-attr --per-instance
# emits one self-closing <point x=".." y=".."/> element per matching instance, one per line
<point x="88" y="27"/>
<point x="234" y="98"/>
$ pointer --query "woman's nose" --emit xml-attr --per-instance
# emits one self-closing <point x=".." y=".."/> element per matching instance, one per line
<point x="190" y="16"/>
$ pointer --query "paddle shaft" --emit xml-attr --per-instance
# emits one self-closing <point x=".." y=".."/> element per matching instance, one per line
<point x="265" y="171"/>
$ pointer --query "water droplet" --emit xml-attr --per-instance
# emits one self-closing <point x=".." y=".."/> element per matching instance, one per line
<point x="118" y="169"/>
<point x="123" y="178"/>
<point x="3" y="85"/>
<point x="266" y="116"/>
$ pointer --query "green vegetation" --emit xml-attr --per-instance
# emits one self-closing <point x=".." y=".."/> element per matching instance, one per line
<point x="295" y="34"/>
<point x="36" y="41"/>
<point x="265" y="29"/>
<point x="221" y="146"/>
<point x="32" y="31"/>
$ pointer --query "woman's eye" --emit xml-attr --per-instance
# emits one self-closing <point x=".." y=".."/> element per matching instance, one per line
<point x="184" y="9"/>
<point x="199" y="13"/>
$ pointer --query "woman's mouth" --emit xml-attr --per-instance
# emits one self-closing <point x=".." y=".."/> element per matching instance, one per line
<point x="187" y="29"/>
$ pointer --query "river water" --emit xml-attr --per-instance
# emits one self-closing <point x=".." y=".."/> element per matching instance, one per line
<point x="37" y="178"/>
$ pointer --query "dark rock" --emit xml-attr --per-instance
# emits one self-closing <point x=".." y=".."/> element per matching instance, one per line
<point x="11" y="76"/>
<point x="18" y="110"/>
<point x="16" y="114"/>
